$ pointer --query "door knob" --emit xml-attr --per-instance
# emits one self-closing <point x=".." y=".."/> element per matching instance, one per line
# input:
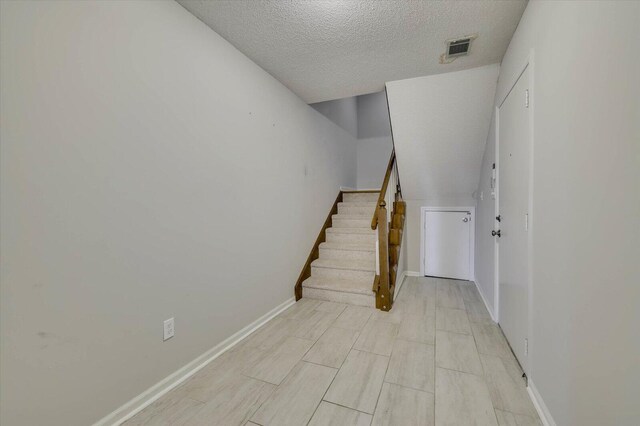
<point x="498" y="218"/>
<point x="465" y="219"/>
<point x="496" y="233"/>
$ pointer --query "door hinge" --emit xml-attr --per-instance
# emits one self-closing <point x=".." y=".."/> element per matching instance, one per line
<point x="526" y="98"/>
<point x="526" y="222"/>
<point x="526" y="347"/>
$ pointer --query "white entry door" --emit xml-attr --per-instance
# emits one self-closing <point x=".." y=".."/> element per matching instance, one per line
<point x="513" y="210"/>
<point x="447" y="244"/>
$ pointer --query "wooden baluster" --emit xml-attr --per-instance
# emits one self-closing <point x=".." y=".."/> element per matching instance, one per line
<point x="383" y="297"/>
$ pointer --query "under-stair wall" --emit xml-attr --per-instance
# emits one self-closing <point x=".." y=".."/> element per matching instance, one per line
<point x="440" y="125"/>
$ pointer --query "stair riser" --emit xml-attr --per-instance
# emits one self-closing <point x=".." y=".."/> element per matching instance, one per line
<point x="343" y="274"/>
<point x="340" y="297"/>
<point x="347" y="254"/>
<point x="350" y="223"/>
<point x="356" y="210"/>
<point x="351" y="238"/>
<point x="360" y="197"/>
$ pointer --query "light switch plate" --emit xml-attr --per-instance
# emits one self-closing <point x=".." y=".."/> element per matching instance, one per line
<point x="169" y="329"/>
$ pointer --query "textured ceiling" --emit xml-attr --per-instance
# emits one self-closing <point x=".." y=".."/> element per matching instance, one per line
<point x="440" y="126"/>
<point x="330" y="49"/>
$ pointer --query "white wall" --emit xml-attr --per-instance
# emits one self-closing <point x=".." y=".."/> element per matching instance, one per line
<point x="373" y="116"/>
<point x="485" y="223"/>
<point x="366" y="117"/>
<point x="343" y="112"/>
<point x="440" y="124"/>
<point x="402" y="267"/>
<point x="373" y="159"/>
<point x="148" y="170"/>
<point x="585" y="224"/>
<point x="374" y="140"/>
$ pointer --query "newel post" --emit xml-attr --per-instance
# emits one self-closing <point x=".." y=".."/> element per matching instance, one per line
<point x="383" y="297"/>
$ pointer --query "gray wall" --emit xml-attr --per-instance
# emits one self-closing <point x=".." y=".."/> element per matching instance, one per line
<point x="366" y="117"/>
<point x="585" y="224"/>
<point x="343" y="112"/>
<point x="373" y="116"/>
<point x="148" y="170"/>
<point x="374" y="140"/>
<point x="485" y="223"/>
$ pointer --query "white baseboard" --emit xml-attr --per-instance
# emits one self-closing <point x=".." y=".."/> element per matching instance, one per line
<point x="486" y="305"/>
<point x="403" y="275"/>
<point x="137" y="404"/>
<point x="541" y="407"/>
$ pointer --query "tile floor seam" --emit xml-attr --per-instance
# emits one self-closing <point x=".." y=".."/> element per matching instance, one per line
<point x="410" y="387"/>
<point x="343" y="328"/>
<point x="460" y="371"/>
<point x="453" y="332"/>
<point x="404" y="339"/>
<point x="320" y="365"/>
<point x="325" y="391"/>
<point x="332" y="380"/>
<point x="386" y="370"/>
<point x="475" y="342"/>
<point x="349" y="408"/>
<point x="418" y="341"/>
<point x="302" y="360"/>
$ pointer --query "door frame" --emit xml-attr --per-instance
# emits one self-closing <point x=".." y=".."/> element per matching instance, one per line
<point x="472" y="238"/>
<point x="527" y="64"/>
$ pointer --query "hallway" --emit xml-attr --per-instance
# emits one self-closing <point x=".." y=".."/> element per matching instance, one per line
<point x="436" y="358"/>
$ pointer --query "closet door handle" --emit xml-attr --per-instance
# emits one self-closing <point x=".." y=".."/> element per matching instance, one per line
<point x="496" y="233"/>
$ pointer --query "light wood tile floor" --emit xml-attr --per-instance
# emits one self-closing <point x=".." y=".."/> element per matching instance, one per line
<point x="435" y="359"/>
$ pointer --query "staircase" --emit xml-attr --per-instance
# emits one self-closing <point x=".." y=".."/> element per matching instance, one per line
<point x="346" y="266"/>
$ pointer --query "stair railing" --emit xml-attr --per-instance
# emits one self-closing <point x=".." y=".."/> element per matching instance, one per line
<point x="390" y="225"/>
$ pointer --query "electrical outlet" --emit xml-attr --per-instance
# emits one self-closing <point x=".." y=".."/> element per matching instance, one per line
<point x="169" y="329"/>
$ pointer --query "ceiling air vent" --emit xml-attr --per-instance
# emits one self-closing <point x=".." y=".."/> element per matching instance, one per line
<point x="457" y="47"/>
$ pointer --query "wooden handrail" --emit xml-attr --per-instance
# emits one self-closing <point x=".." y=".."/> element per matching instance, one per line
<point x="383" y="190"/>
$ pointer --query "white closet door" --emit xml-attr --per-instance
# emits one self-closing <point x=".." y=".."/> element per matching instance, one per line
<point x="513" y="196"/>
<point x="447" y="244"/>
